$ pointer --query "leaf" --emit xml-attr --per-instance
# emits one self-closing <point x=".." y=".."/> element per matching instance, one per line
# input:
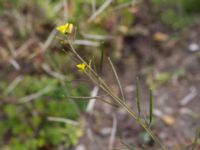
<point x="138" y="97"/>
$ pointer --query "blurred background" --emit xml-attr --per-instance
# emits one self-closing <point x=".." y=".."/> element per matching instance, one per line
<point x="156" y="41"/>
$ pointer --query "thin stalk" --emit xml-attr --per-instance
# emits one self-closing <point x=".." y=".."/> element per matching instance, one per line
<point x="138" y="98"/>
<point x="150" y="106"/>
<point x="117" y="78"/>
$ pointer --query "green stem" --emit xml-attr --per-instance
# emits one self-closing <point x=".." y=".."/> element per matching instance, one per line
<point x="100" y="82"/>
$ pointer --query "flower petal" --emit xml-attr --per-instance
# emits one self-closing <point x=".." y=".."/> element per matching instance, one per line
<point x="66" y="28"/>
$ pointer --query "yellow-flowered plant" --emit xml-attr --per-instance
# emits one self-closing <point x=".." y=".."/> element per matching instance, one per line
<point x="81" y="67"/>
<point x="66" y="28"/>
<point x="98" y="80"/>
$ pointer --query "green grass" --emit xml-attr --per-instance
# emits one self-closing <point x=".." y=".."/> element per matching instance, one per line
<point x="25" y="125"/>
<point x="177" y="14"/>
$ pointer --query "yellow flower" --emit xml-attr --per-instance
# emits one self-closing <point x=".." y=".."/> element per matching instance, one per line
<point x="81" y="66"/>
<point x="66" y="28"/>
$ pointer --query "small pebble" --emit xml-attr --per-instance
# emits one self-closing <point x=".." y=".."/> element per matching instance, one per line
<point x="80" y="147"/>
<point x="193" y="47"/>
<point x="157" y="113"/>
<point x="106" y="131"/>
<point x="129" y="88"/>
<point x="163" y="135"/>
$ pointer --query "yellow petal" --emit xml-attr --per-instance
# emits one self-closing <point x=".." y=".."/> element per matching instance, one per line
<point x="69" y="27"/>
<point x="61" y="29"/>
<point x="81" y="66"/>
<point x="66" y="28"/>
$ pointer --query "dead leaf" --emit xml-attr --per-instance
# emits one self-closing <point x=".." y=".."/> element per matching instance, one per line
<point x="160" y="37"/>
<point x="168" y="120"/>
<point x="123" y="29"/>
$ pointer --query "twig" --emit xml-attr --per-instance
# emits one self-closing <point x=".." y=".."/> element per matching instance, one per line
<point x="15" y="64"/>
<point x="12" y="60"/>
<point x="86" y="43"/>
<point x="13" y="84"/>
<point x="113" y="133"/>
<point x="64" y="120"/>
<point x="36" y="95"/>
<point x="98" y="37"/>
<point x="49" y="40"/>
<point x="46" y="44"/>
<point x="189" y="97"/>
<point x="100" y="10"/>
<point x="125" y="5"/>
<point x="91" y="103"/>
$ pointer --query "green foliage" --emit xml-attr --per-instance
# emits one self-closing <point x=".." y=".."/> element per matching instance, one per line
<point x="26" y="125"/>
<point x="191" y="6"/>
<point x="166" y="2"/>
<point x="47" y="8"/>
<point x="163" y="77"/>
<point x="176" y="14"/>
<point x="171" y="19"/>
<point x="123" y="1"/>
<point x="158" y="79"/>
<point x="9" y="3"/>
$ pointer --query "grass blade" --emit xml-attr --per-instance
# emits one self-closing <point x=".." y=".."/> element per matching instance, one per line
<point x="150" y="106"/>
<point x="117" y="78"/>
<point x="138" y="98"/>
